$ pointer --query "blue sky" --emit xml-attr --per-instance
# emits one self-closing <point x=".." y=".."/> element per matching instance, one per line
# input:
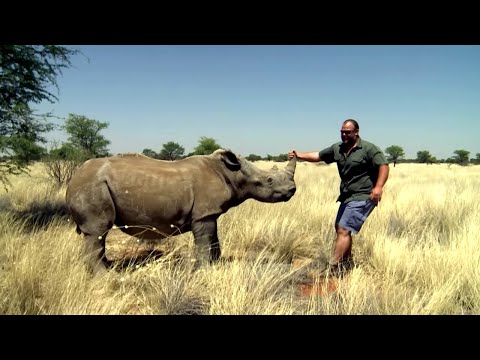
<point x="265" y="99"/>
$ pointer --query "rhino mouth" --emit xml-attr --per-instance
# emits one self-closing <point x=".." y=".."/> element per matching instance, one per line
<point x="288" y="196"/>
<point x="284" y="196"/>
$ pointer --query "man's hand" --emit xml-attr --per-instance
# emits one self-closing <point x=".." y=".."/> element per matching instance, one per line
<point x="376" y="194"/>
<point x="291" y="154"/>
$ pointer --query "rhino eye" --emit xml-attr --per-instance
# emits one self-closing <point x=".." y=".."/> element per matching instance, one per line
<point x="269" y="179"/>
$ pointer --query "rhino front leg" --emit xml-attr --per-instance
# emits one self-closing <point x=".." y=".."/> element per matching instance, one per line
<point x="206" y="241"/>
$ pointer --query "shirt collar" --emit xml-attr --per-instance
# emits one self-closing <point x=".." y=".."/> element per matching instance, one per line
<point x="359" y="145"/>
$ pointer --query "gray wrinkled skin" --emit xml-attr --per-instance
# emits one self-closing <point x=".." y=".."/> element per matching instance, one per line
<point x="171" y="196"/>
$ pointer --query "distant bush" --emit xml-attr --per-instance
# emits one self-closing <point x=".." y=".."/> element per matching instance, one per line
<point x="253" y="157"/>
<point x="61" y="163"/>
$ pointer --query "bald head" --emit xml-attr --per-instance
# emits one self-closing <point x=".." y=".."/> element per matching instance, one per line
<point x="353" y="122"/>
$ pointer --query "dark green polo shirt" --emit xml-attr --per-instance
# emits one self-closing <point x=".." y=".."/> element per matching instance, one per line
<point x="358" y="171"/>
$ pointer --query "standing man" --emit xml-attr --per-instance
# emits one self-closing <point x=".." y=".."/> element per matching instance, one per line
<point x="363" y="171"/>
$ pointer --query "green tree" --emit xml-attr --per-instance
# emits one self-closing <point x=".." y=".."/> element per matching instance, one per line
<point x="425" y="157"/>
<point x="394" y="152"/>
<point x="68" y="152"/>
<point x="150" y="153"/>
<point x="461" y="157"/>
<point x="476" y="160"/>
<point x="206" y="146"/>
<point x="25" y="150"/>
<point x="27" y="75"/>
<point x="61" y="162"/>
<point x="27" y="124"/>
<point x="281" y="157"/>
<point x="21" y="144"/>
<point x="253" y="157"/>
<point x="84" y="134"/>
<point x="171" y="151"/>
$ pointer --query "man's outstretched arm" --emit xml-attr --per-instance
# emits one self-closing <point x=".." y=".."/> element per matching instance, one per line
<point x="312" y="156"/>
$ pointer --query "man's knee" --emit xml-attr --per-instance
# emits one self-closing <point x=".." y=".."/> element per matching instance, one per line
<point x="341" y="230"/>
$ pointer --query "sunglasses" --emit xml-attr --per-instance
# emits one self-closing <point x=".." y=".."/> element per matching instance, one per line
<point x="348" y="132"/>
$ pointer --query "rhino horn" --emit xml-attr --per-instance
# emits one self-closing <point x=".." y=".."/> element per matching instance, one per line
<point x="290" y="168"/>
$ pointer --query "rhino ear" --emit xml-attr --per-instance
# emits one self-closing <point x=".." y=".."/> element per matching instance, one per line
<point x="231" y="160"/>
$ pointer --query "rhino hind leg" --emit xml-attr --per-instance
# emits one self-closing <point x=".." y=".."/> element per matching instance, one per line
<point x="207" y="246"/>
<point x="95" y="254"/>
<point x="94" y="221"/>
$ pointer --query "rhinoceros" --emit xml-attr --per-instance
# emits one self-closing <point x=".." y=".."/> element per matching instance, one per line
<point x="153" y="199"/>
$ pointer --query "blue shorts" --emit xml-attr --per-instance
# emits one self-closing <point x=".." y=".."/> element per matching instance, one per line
<point x="351" y="215"/>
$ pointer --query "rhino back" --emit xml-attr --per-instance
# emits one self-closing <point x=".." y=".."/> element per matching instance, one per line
<point x="153" y="192"/>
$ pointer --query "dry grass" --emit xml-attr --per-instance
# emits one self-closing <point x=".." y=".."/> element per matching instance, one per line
<point x="416" y="254"/>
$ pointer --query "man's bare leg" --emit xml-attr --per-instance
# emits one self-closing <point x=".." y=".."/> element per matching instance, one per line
<point x="341" y="260"/>
<point x="343" y="246"/>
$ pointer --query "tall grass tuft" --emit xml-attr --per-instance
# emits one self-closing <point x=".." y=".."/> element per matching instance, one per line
<point x="416" y="254"/>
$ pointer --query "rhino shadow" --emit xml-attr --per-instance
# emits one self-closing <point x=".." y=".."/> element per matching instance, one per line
<point x="39" y="215"/>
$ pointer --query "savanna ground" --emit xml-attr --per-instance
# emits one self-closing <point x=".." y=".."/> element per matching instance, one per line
<point x="417" y="253"/>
